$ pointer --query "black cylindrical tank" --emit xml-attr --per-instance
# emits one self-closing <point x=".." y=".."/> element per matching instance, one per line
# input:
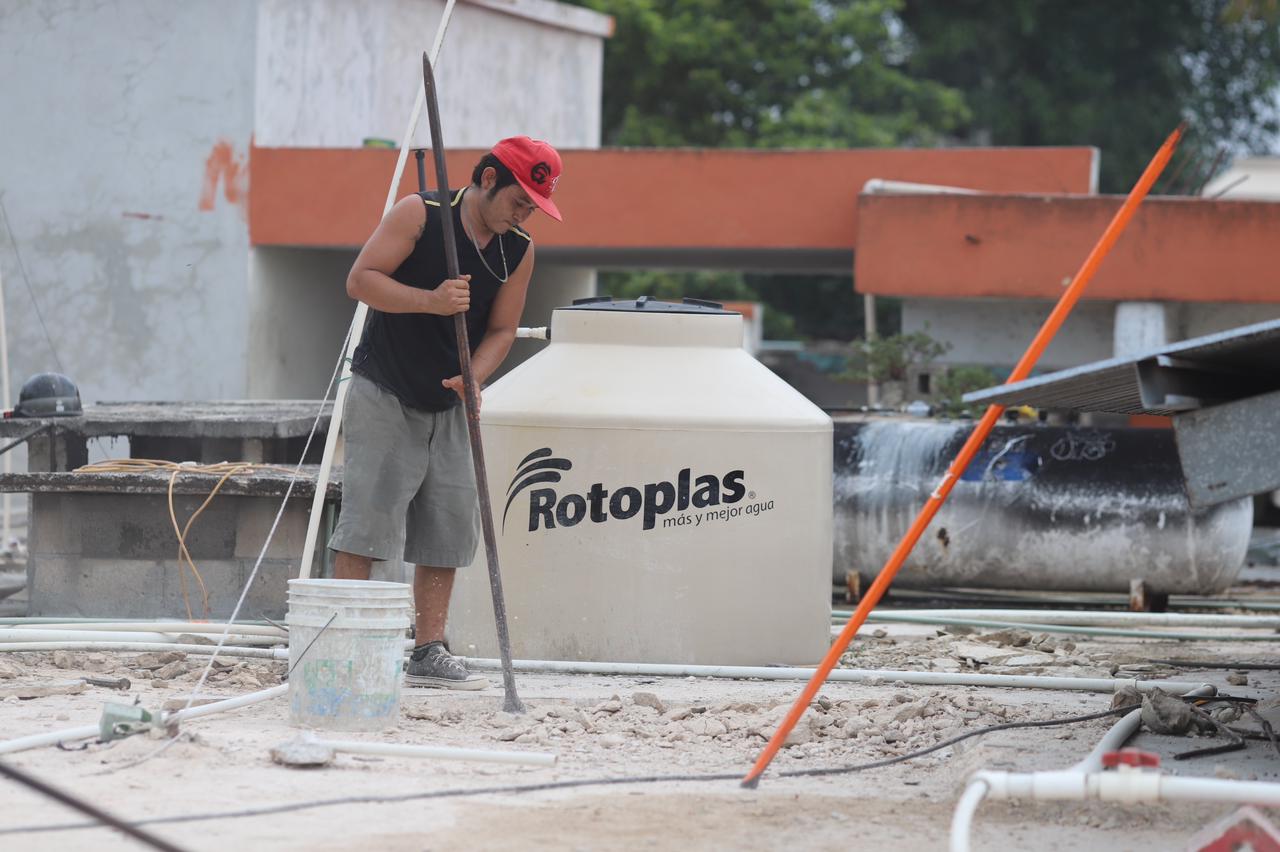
<point x="1040" y="507"/>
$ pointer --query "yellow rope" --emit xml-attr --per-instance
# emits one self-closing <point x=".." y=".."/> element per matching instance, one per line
<point x="223" y="470"/>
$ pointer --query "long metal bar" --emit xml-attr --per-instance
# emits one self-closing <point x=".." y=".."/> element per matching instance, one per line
<point x="471" y="397"/>
<point x="356" y="331"/>
<point x="1041" y="342"/>
<point x="84" y="807"/>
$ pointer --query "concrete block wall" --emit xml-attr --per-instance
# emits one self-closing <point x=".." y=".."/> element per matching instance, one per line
<point x="100" y="555"/>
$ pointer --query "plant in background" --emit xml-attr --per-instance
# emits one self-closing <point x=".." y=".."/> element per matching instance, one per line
<point x="890" y="359"/>
<point x="958" y="381"/>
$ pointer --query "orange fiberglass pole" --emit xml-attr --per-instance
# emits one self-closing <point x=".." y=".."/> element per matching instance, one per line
<point x="967" y="452"/>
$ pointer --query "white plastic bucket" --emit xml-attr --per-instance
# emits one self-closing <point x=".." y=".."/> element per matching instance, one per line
<point x="349" y="678"/>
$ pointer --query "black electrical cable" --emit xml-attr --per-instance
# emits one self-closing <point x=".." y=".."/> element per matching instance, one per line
<point x="585" y="782"/>
<point x="1004" y="726"/>
<point x="101" y="816"/>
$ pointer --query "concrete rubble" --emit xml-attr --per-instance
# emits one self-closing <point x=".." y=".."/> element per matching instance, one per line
<point x="610" y="727"/>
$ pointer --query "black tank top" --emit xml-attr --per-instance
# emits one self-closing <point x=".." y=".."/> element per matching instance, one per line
<point x="410" y="354"/>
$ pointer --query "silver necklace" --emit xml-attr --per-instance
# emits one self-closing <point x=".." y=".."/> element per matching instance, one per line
<point x="506" y="273"/>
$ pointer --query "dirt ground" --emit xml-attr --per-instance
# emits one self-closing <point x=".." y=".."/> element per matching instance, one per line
<point x="216" y="787"/>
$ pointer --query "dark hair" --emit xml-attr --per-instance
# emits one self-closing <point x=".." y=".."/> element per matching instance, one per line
<point x="505" y="178"/>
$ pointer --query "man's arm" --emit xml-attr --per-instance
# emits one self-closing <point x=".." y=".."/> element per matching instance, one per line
<point x="501" y="331"/>
<point x="370" y="278"/>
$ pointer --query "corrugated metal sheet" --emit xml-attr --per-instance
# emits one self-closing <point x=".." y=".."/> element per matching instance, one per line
<point x="1112" y="386"/>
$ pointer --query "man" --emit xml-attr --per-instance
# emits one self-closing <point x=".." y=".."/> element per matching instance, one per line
<point x="408" y="461"/>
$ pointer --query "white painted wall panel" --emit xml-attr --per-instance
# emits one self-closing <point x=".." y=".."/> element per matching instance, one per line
<point x="121" y="121"/>
<point x="995" y="332"/>
<point x="334" y="72"/>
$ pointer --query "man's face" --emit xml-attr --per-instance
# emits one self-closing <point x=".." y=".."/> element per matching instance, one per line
<point x="507" y="207"/>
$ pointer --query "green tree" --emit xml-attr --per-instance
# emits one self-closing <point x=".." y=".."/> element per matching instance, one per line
<point x="767" y="73"/>
<point x="890" y="359"/>
<point x="1097" y="72"/>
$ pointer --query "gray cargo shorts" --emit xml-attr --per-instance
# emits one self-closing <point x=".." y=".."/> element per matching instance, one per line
<point x="407" y="473"/>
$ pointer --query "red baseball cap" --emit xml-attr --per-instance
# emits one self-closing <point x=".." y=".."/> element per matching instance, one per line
<point x="536" y="166"/>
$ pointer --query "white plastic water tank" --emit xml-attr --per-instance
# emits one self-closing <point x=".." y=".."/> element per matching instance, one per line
<point x="658" y="496"/>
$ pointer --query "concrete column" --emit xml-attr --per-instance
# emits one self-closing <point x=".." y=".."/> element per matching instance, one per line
<point x="1141" y="327"/>
<point x="299" y="313"/>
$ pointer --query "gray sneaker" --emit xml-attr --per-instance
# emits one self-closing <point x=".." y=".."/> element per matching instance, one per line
<point x="433" y="665"/>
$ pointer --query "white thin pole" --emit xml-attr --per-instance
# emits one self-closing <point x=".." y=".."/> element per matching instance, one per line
<point x="357" y="324"/>
<point x="227" y="704"/>
<point x="8" y="403"/>
<point x="87" y="731"/>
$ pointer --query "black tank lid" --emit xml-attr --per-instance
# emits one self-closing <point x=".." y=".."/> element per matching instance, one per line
<point x="649" y="305"/>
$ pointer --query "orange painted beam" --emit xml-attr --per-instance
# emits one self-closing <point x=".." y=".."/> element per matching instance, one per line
<point x="1004" y="246"/>
<point x="652" y="198"/>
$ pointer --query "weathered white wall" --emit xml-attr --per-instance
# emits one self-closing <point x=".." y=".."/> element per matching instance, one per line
<point x="334" y="72"/>
<point x="119" y="119"/>
<point x="996" y="333"/>
<point x="1200" y="319"/>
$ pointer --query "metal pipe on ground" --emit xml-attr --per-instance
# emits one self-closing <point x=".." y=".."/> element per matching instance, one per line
<point x="1076" y="631"/>
<point x="204" y="628"/>
<point x="38" y="634"/>
<point x="866" y="676"/>
<point x="228" y="651"/>
<point x="1082" y="618"/>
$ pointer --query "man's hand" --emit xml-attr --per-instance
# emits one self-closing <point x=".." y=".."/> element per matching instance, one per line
<point x="455" y="385"/>
<point x="453" y="296"/>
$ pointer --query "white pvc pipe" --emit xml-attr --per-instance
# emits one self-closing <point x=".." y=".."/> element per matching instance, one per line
<point x="983" y="783"/>
<point x="538" y="333"/>
<point x="868" y="676"/>
<point x="880" y="186"/>
<point x="66" y="735"/>
<point x="199" y="628"/>
<point x="227" y="704"/>
<point x="32" y="634"/>
<point x="357" y="324"/>
<point x="962" y="819"/>
<point x="1084" y="618"/>
<point x="531" y="758"/>
<point x="1128" y="786"/>
<point x="87" y="731"/>
<point x="229" y="651"/>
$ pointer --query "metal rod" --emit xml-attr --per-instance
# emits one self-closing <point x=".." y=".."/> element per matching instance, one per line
<point x="471" y="398"/>
<point x="85" y="808"/>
